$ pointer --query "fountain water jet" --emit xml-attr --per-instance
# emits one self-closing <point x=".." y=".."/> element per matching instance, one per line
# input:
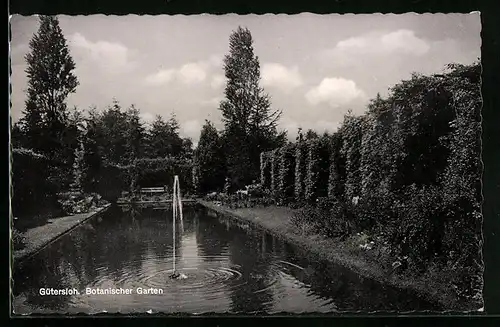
<point x="176" y="212"/>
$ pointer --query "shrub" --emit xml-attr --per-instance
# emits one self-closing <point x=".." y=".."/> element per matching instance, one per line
<point x="420" y="221"/>
<point x="255" y="190"/>
<point x="339" y="221"/>
<point x="374" y="210"/>
<point x="304" y="220"/>
<point x="214" y="196"/>
<point x="18" y="239"/>
<point x="75" y="202"/>
<point x="330" y="218"/>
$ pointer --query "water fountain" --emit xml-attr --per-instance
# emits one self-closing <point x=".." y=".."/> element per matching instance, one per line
<point x="176" y="213"/>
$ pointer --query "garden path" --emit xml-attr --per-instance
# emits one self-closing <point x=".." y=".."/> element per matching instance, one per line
<point x="38" y="237"/>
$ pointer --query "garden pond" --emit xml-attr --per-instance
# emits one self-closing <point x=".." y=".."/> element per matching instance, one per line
<point x="229" y="267"/>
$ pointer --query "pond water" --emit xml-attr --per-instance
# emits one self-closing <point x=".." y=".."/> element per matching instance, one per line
<point x="229" y="267"/>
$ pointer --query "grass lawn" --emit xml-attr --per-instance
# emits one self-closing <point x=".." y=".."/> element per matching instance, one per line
<point x="356" y="253"/>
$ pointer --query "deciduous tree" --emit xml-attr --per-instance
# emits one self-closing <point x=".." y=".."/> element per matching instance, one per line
<point x="209" y="159"/>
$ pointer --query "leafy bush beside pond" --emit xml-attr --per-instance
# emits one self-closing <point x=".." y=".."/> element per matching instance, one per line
<point x="77" y="202"/>
<point x="254" y="196"/>
<point x="18" y="239"/>
<point x="330" y="218"/>
<point x="34" y="190"/>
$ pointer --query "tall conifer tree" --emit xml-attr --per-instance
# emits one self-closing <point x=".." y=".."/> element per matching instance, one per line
<point x="50" y="81"/>
<point x="250" y="125"/>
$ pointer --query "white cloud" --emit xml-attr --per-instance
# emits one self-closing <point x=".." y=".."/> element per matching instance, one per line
<point x="281" y="77"/>
<point x="191" y="128"/>
<point x="326" y="126"/>
<point x="334" y="91"/>
<point x="160" y="78"/>
<point x="213" y="102"/>
<point x="217" y="81"/>
<point x="291" y="126"/>
<point x="189" y="74"/>
<point x="216" y="60"/>
<point x="147" y="117"/>
<point x="110" y="55"/>
<point x="192" y="73"/>
<point x="404" y="41"/>
<point x="400" y="41"/>
<point x="374" y="45"/>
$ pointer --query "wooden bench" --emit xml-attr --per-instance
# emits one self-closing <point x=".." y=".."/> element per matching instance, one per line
<point x="152" y="190"/>
<point x="147" y="191"/>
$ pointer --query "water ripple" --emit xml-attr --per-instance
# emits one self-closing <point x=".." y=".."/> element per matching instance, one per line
<point x="227" y="271"/>
<point x="214" y="277"/>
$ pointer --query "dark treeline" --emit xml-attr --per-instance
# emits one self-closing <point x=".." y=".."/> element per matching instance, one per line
<point x="108" y="150"/>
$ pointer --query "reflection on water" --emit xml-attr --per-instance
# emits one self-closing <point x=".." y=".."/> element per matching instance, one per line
<point x="230" y="268"/>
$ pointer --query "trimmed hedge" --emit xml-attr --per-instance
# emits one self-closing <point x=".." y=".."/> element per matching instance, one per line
<point x="352" y="133"/>
<point x="323" y="166"/>
<point x="274" y="171"/>
<point x="300" y="170"/>
<point x="297" y="171"/>
<point x="312" y="167"/>
<point x="317" y="173"/>
<point x="195" y="175"/>
<point x="336" y="176"/>
<point x="286" y="173"/>
<point x="265" y="170"/>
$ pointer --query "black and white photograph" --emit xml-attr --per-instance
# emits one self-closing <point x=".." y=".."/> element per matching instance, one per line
<point x="246" y="164"/>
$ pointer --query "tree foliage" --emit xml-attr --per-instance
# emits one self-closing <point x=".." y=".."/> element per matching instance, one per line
<point x="209" y="159"/>
<point x="352" y="131"/>
<point x="300" y="167"/>
<point x="163" y="138"/>
<point x="34" y="191"/>
<point x="250" y="125"/>
<point x="286" y="173"/>
<point x="50" y="81"/>
<point x="116" y="137"/>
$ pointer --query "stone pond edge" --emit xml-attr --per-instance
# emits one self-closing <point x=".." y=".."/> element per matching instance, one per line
<point x="19" y="258"/>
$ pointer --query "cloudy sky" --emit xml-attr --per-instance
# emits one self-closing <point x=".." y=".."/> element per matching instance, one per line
<point x="314" y="67"/>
